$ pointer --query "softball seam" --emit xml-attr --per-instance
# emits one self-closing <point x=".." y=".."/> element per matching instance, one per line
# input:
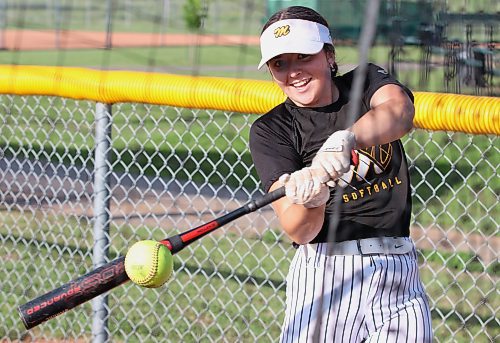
<point x="153" y="270"/>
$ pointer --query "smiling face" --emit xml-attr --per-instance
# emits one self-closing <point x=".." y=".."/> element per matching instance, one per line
<point x="305" y="79"/>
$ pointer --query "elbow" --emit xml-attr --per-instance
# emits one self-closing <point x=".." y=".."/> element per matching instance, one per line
<point x="407" y="116"/>
<point x="408" y="122"/>
<point x="299" y="223"/>
<point x="304" y="233"/>
<point x="303" y="240"/>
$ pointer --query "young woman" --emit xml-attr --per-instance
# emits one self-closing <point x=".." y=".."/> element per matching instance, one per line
<point x="355" y="276"/>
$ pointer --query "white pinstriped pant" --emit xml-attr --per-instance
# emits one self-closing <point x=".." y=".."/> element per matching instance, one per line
<point x="363" y="298"/>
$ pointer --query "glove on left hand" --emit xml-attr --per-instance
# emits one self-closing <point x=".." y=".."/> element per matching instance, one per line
<point x="306" y="187"/>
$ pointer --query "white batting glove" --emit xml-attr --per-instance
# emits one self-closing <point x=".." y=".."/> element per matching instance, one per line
<point x="334" y="156"/>
<point x="306" y="187"/>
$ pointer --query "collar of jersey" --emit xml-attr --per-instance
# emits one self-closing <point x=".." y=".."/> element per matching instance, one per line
<point x="334" y="107"/>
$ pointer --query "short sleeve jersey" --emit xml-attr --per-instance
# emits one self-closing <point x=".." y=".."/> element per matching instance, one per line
<point x="378" y="202"/>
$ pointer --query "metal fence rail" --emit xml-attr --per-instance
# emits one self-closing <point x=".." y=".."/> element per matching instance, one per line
<point x="76" y="191"/>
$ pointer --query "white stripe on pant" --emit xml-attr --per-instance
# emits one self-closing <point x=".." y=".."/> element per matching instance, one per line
<point x="363" y="298"/>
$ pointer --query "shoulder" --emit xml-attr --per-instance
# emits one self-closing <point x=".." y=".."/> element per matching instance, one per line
<point x="377" y="77"/>
<point x="271" y="129"/>
<point x="373" y="72"/>
<point x="275" y="119"/>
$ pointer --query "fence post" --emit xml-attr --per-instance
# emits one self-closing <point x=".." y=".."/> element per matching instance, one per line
<point x="102" y="196"/>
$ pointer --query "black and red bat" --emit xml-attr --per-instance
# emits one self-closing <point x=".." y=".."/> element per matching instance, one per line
<point x="113" y="274"/>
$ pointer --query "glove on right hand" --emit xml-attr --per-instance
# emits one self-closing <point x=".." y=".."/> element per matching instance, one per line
<point x="306" y="187"/>
<point x="334" y="156"/>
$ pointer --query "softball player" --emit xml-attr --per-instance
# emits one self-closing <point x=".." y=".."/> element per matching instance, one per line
<point x="360" y="283"/>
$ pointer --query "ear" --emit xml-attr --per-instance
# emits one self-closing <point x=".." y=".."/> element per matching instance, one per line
<point x="330" y="57"/>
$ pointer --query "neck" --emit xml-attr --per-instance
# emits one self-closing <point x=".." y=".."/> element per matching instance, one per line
<point x="335" y="92"/>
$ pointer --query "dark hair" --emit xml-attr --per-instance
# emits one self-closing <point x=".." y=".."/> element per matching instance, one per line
<point x="304" y="13"/>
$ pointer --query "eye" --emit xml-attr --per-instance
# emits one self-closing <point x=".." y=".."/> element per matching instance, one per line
<point x="277" y="63"/>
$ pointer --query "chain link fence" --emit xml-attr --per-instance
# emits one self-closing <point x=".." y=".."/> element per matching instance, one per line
<point x="171" y="169"/>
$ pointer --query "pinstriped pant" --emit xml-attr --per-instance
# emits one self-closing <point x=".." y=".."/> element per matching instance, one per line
<point x="369" y="298"/>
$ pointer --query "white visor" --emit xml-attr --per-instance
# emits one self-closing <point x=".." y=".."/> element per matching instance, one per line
<point x="293" y="36"/>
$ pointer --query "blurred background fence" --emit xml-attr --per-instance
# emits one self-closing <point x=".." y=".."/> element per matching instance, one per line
<point x="171" y="165"/>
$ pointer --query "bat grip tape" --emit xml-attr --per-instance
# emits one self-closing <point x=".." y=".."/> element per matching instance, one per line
<point x="176" y="243"/>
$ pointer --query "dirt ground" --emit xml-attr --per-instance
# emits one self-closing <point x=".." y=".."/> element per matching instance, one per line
<point x="46" y="40"/>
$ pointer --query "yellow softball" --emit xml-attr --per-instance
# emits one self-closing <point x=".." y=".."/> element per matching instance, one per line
<point x="149" y="263"/>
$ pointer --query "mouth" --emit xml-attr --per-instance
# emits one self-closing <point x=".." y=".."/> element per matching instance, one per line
<point x="300" y="83"/>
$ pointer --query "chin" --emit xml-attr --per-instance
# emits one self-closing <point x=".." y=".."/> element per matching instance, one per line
<point x="304" y="102"/>
<point x="300" y="99"/>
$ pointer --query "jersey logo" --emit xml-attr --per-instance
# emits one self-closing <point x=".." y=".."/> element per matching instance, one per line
<point x="373" y="162"/>
<point x="380" y="155"/>
<point x="282" y="31"/>
<point x="376" y="159"/>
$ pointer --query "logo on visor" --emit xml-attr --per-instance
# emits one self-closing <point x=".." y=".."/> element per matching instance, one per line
<point x="282" y="31"/>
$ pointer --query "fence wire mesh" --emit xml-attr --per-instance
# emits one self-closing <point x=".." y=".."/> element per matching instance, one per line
<point x="172" y="169"/>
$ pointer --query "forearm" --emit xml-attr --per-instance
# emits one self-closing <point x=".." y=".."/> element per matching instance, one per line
<point x="301" y="224"/>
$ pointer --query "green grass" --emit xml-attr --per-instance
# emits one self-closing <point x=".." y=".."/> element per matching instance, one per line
<point x="179" y="59"/>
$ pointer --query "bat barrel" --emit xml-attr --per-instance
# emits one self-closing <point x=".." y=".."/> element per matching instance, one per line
<point x="73" y="293"/>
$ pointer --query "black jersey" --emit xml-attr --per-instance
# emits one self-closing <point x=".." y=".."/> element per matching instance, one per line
<point x="288" y="137"/>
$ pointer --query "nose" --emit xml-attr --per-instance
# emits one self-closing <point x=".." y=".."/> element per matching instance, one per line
<point x="294" y="69"/>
